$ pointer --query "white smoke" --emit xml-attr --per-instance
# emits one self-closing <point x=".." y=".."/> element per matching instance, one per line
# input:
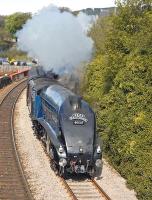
<point x="86" y="21"/>
<point x="58" y="40"/>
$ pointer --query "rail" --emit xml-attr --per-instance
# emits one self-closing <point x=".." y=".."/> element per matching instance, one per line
<point x="99" y="188"/>
<point x="13" y="183"/>
<point x="85" y="189"/>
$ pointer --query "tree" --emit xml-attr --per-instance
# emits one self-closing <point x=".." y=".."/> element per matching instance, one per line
<point x="123" y="90"/>
<point x="1" y="21"/>
<point x="5" y="38"/>
<point x="65" y="9"/>
<point x="15" y="22"/>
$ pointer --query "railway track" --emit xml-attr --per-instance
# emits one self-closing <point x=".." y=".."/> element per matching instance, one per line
<point x="87" y="189"/>
<point x="13" y="184"/>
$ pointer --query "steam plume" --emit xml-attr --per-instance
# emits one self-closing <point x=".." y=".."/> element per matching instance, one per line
<point x="58" y="40"/>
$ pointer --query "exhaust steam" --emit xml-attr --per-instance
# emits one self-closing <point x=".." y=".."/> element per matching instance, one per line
<point x="57" y="39"/>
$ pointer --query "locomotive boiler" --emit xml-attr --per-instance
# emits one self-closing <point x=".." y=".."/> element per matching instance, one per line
<point x="66" y="124"/>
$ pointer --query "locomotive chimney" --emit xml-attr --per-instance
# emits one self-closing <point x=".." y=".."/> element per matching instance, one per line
<point x="75" y="102"/>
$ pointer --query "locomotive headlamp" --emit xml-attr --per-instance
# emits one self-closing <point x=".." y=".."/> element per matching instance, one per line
<point x="62" y="162"/>
<point x="81" y="150"/>
<point x="61" y="150"/>
<point x="98" y="149"/>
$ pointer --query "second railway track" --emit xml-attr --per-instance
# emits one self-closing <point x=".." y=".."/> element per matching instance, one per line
<point x="13" y="185"/>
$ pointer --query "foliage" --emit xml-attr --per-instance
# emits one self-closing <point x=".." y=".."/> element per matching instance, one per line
<point x="8" y="27"/>
<point x="2" y="21"/>
<point x="4" y="45"/>
<point x="4" y="35"/>
<point x="119" y="80"/>
<point x="64" y="9"/>
<point x="99" y="32"/>
<point x="14" y="53"/>
<point x="5" y="40"/>
<point x="15" y="22"/>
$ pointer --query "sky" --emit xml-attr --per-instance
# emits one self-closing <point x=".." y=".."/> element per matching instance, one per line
<point x="10" y="6"/>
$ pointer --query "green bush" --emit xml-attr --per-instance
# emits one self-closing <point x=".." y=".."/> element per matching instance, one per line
<point x="14" y="54"/>
<point x="118" y="84"/>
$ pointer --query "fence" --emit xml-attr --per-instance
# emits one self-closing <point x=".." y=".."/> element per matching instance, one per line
<point x="9" y="69"/>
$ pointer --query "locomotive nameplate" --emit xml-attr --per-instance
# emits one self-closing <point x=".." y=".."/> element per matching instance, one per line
<point x="78" y="119"/>
<point x="78" y="122"/>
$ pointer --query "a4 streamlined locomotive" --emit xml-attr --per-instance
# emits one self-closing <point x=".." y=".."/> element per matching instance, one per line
<point x="66" y="124"/>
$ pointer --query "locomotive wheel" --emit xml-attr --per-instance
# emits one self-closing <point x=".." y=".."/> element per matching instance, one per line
<point x="48" y="145"/>
<point x="53" y="164"/>
<point x="54" y="160"/>
<point x="54" y="167"/>
<point x="62" y="172"/>
<point x="44" y="137"/>
<point x="92" y="173"/>
<point x="51" y="153"/>
<point x="37" y="130"/>
<point x="37" y="133"/>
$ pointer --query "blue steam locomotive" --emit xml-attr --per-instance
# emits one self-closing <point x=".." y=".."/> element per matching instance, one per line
<point x="66" y="124"/>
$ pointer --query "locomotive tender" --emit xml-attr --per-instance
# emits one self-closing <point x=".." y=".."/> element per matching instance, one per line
<point x="66" y="124"/>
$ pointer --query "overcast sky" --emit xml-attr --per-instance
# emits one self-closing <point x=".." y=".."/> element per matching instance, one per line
<point x="11" y="6"/>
